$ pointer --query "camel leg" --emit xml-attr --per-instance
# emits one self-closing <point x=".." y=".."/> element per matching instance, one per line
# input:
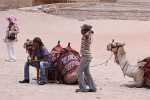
<point x="138" y="80"/>
<point x="147" y="81"/>
<point x="132" y="84"/>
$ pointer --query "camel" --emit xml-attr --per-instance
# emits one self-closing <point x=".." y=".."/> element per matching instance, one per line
<point x="60" y="62"/>
<point x="134" y="71"/>
<point x="63" y="75"/>
<point x="28" y="45"/>
<point x="66" y="61"/>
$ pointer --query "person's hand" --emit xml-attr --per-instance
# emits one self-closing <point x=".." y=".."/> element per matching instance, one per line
<point x="91" y="31"/>
<point x="32" y="61"/>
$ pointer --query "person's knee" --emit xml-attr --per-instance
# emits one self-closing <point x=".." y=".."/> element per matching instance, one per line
<point x="26" y="63"/>
<point x="41" y="64"/>
<point x="79" y="73"/>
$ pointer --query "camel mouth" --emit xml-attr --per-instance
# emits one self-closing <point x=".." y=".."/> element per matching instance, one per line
<point x="110" y="46"/>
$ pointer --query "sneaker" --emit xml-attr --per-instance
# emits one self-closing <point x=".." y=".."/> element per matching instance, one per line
<point x="42" y="83"/>
<point x="79" y="90"/>
<point x="12" y="60"/>
<point x="7" y="59"/>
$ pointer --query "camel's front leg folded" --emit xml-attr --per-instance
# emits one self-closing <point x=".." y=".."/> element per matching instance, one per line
<point x="131" y="85"/>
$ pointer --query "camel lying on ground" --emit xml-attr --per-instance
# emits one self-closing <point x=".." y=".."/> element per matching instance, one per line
<point x="66" y="61"/>
<point x="134" y="71"/>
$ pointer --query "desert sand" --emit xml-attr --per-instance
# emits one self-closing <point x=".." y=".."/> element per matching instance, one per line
<point x="51" y="28"/>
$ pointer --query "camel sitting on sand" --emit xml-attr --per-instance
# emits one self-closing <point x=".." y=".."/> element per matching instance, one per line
<point x="66" y="61"/>
<point x="134" y="71"/>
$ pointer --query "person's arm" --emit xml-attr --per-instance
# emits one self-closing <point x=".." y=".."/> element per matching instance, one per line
<point x="32" y="57"/>
<point x="44" y="58"/>
<point x="45" y="55"/>
<point x="88" y="34"/>
<point x="16" y="28"/>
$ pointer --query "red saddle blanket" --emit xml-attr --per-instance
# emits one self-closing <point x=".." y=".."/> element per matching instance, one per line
<point x="146" y="66"/>
<point x="70" y="62"/>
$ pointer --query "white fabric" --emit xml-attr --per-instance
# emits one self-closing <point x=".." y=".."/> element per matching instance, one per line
<point x="11" y="50"/>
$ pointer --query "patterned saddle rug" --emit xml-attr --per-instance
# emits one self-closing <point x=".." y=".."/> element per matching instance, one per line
<point x="68" y="57"/>
<point x="146" y="66"/>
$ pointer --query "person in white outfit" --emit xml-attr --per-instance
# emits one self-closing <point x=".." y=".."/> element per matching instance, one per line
<point x="11" y="37"/>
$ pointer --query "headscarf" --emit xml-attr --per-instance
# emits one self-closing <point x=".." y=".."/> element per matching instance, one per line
<point x="12" y="18"/>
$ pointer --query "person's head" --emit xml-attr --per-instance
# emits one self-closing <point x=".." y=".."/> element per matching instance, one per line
<point x="11" y="19"/>
<point x="85" y="28"/>
<point x="37" y="42"/>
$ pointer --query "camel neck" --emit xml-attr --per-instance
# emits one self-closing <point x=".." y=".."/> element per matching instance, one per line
<point x="125" y="65"/>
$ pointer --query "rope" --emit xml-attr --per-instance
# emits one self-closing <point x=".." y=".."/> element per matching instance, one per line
<point x="104" y="62"/>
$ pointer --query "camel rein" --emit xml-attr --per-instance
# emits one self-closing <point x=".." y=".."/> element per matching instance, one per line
<point x="104" y="62"/>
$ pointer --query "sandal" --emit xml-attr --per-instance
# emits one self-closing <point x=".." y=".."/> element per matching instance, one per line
<point x="79" y="90"/>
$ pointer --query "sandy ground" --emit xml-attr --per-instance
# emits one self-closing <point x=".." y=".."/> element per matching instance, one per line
<point x="53" y="28"/>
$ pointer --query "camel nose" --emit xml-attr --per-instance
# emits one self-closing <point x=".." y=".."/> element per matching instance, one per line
<point x="108" y="48"/>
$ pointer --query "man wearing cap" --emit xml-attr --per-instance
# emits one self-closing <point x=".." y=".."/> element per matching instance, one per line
<point x="85" y="60"/>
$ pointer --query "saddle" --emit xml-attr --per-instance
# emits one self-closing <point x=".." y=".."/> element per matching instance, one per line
<point x="146" y="66"/>
<point x="68" y="59"/>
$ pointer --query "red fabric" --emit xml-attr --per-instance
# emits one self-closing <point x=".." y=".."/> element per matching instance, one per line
<point x="147" y="66"/>
<point x="70" y="62"/>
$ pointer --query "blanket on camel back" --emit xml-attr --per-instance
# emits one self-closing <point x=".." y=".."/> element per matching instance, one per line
<point x="70" y="58"/>
<point x="146" y="66"/>
<point x="70" y="62"/>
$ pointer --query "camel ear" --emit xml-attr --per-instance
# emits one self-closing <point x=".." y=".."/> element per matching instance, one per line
<point x="112" y="41"/>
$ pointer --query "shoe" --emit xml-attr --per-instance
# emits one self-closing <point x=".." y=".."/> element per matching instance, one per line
<point x="25" y="81"/>
<point x="7" y="59"/>
<point x="79" y="90"/>
<point x="91" y="90"/>
<point x="42" y="83"/>
<point x="12" y="60"/>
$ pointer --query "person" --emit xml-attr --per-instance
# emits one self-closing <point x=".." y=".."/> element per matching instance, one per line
<point x="85" y="61"/>
<point x="12" y="27"/>
<point x="43" y="61"/>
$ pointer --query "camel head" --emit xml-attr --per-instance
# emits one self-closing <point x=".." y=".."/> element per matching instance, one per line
<point x="28" y="44"/>
<point x="117" y="48"/>
<point x="114" y="46"/>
